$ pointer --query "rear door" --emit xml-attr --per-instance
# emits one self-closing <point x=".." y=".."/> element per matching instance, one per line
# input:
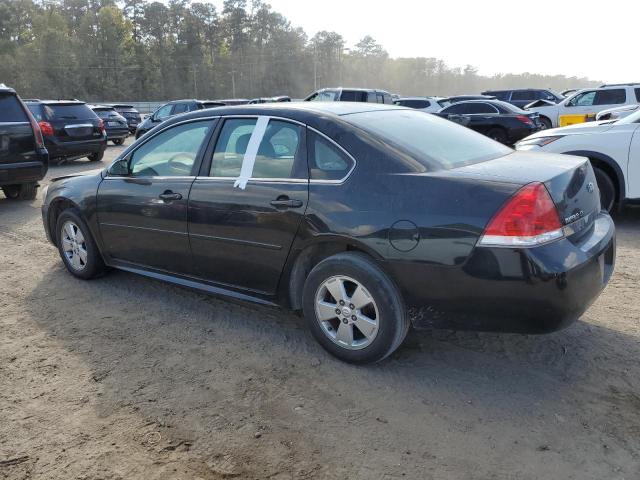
<point x="247" y="203"/>
<point x="142" y="202"/>
<point x="17" y="142"/>
<point x="584" y="106"/>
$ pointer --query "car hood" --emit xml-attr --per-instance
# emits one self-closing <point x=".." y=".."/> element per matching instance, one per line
<point x="96" y="171"/>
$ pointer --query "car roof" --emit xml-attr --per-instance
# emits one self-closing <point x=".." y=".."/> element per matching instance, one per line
<point x="57" y="102"/>
<point x="418" y="98"/>
<point x="121" y="105"/>
<point x="300" y="111"/>
<point x="5" y="89"/>
<point x="101" y="107"/>
<point x="500" y="103"/>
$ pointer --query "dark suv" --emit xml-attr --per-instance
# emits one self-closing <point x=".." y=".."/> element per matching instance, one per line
<point x="521" y="97"/>
<point x="174" y="108"/>
<point x="130" y="113"/>
<point x="115" y="125"/>
<point x="23" y="157"/>
<point x="350" y="95"/>
<point x="70" y="129"/>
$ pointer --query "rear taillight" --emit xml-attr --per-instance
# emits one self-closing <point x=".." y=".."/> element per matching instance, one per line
<point x="528" y="219"/>
<point x="525" y="119"/>
<point x="46" y="128"/>
<point x="37" y="133"/>
<point x="101" y="125"/>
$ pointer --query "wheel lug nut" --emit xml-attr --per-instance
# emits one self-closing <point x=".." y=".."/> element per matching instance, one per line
<point x="353" y="317"/>
<point x="341" y="302"/>
<point x="344" y="320"/>
<point x="338" y="311"/>
<point x="352" y="306"/>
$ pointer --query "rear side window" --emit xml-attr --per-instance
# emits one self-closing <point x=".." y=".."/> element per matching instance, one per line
<point x="477" y="108"/>
<point x="326" y="161"/>
<point x="500" y="95"/>
<point x="68" y="112"/>
<point x="430" y="141"/>
<point x="353" y="96"/>
<point x="638" y="94"/>
<point x="11" y="110"/>
<point x="414" y="103"/>
<point x="181" y="108"/>
<point x="610" y="97"/>
<point x="523" y="95"/>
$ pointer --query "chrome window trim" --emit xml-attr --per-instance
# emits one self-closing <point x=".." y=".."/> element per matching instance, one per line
<point x="79" y="125"/>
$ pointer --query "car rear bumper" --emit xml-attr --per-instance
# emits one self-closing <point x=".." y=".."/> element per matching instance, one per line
<point x="24" y="172"/>
<point x="528" y="290"/>
<point x="116" y="133"/>
<point x="58" y="149"/>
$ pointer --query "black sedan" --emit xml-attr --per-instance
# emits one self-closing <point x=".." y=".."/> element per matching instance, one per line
<point x="363" y="216"/>
<point x="501" y="121"/>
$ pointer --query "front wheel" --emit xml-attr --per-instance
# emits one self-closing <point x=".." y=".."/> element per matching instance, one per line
<point x="353" y="308"/>
<point x="546" y="123"/>
<point x="77" y="247"/>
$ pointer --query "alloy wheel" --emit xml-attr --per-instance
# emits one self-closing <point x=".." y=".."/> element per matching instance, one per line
<point x="74" y="246"/>
<point x="347" y="312"/>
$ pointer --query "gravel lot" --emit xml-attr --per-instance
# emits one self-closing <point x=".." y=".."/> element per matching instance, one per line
<point x="124" y="377"/>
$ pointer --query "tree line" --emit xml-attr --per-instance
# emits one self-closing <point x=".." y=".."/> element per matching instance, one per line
<point x="137" y="50"/>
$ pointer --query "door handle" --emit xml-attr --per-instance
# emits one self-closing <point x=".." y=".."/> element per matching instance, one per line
<point x="286" y="202"/>
<point x="169" y="196"/>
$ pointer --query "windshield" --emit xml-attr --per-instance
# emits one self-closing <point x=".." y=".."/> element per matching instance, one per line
<point x="436" y="143"/>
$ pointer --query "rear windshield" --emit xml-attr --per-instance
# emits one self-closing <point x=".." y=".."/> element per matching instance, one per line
<point x="106" y="113"/>
<point x="436" y="143"/>
<point x="11" y="110"/>
<point x="68" y="112"/>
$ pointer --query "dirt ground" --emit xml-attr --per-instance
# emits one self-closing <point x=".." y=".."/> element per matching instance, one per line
<point x="124" y="377"/>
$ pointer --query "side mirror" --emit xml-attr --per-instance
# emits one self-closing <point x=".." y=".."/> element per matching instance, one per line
<point x="120" y="168"/>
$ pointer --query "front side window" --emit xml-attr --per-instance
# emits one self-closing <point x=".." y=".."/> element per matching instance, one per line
<point x="325" y="96"/>
<point x="181" y="108"/>
<point x="584" y="99"/>
<point x="163" y="112"/>
<point x="171" y="153"/>
<point x="279" y="148"/>
<point x="455" y="109"/>
<point x="480" y="108"/>
<point x="326" y="161"/>
<point x="523" y="95"/>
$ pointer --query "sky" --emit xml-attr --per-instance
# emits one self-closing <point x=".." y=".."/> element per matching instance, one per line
<point x="583" y="38"/>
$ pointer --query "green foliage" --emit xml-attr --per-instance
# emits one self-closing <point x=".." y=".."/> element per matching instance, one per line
<point x="101" y="50"/>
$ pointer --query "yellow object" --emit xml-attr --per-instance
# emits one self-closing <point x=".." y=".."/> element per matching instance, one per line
<point x="565" y="120"/>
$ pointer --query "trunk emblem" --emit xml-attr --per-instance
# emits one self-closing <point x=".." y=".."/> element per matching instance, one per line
<point x="590" y="187"/>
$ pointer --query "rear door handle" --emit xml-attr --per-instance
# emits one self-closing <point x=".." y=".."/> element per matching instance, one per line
<point x="169" y="196"/>
<point x="285" y="202"/>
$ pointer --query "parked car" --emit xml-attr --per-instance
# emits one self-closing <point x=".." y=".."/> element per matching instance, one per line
<point x="584" y="105"/>
<point x="71" y="130"/>
<point x="426" y="104"/>
<point x="233" y="101"/>
<point x="116" y="126"/>
<point x="613" y="147"/>
<point x="24" y="160"/>
<point x="350" y="95"/>
<point x="170" y="109"/>
<point x="446" y="101"/>
<point x="130" y="113"/>
<point x="521" y="97"/>
<point x="355" y="214"/>
<point x="501" y="121"/>
<point x="617" y="113"/>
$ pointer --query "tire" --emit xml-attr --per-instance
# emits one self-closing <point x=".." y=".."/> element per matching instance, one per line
<point x="24" y="191"/>
<point x="70" y="225"/>
<point x="607" y="189"/>
<point x="118" y="141"/>
<point x="546" y="123"/>
<point x="378" y="309"/>
<point x="499" y="135"/>
<point x="96" y="157"/>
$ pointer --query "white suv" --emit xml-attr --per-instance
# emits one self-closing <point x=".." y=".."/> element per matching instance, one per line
<point x="613" y="147"/>
<point x="584" y="105"/>
<point x="426" y="104"/>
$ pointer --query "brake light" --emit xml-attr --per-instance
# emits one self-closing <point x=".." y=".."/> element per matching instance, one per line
<point x="46" y="128"/>
<point x="525" y="119"/>
<point x="101" y="125"/>
<point x="528" y="219"/>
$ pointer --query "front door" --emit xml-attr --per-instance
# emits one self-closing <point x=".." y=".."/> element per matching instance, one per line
<point x="245" y="208"/>
<point x="633" y="170"/>
<point x="142" y="203"/>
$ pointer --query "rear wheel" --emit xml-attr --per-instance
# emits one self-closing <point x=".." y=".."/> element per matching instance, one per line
<point x="24" y="191"/>
<point x="96" y="157"/>
<point x="76" y="246"/>
<point x="118" y="141"/>
<point x="498" y="134"/>
<point x="353" y="309"/>
<point x="607" y="189"/>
